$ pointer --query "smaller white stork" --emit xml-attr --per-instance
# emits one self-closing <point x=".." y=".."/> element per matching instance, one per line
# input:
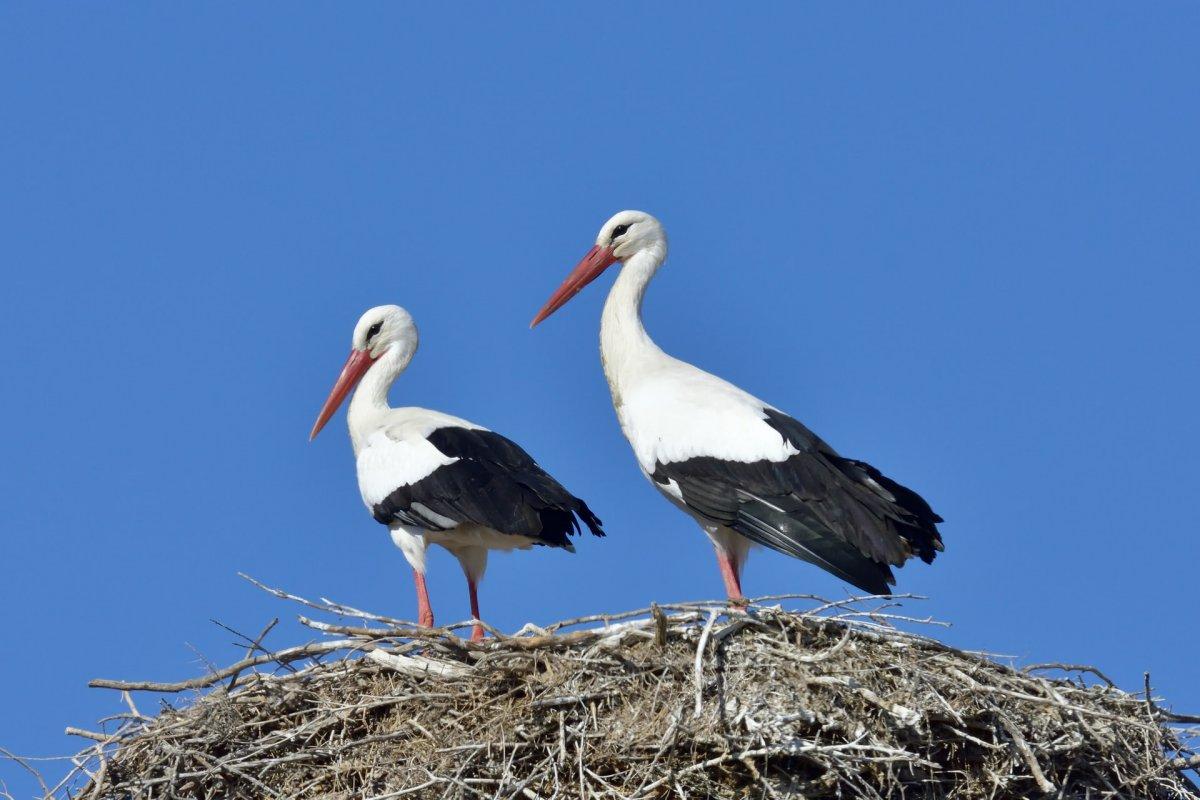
<point x="436" y="479"/>
<point x="744" y="470"/>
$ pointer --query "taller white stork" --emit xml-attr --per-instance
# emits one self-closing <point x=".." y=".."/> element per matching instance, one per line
<point x="436" y="479"/>
<point x="747" y="472"/>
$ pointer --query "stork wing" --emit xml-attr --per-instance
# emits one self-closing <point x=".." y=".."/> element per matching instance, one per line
<point x="840" y="514"/>
<point x="486" y="479"/>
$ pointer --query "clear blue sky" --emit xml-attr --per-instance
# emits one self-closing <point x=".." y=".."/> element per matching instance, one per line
<point x="958" y="241"/>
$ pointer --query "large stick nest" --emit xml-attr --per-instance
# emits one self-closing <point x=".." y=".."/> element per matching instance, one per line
<point x="690" y="700"/>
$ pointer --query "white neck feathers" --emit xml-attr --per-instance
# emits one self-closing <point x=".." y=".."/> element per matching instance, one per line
<point x="370" y="400"/>
<point x="625" y="347"/>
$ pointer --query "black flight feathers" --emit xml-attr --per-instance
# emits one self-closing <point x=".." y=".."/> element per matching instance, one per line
<point x="840" y="514"/>
<point x="494" y="483"/>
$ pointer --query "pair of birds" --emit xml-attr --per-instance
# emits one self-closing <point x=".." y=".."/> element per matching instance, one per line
<point x="745" y="471"/>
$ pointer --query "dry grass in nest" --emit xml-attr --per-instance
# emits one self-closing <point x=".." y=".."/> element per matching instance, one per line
<point x="691" y="700"/>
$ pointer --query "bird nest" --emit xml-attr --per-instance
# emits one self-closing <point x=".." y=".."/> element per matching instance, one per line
<point x="688" y="700"/>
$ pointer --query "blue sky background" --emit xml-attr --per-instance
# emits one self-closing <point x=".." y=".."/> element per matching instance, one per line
<point x="959" y="241"/>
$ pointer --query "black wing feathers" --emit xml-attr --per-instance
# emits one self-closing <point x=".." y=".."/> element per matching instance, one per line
<point x="840" y="514"/>
<point x="494" y="483"/>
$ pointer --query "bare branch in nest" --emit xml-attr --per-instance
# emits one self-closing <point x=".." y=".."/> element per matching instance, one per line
<point x="25" y="765"/>
<point x="1192" y="762"/>
<point x="203" y="682"/>
<point x="686" y="700"/>
<point x="1071" y="668"/>
<point x="418" y="666"/>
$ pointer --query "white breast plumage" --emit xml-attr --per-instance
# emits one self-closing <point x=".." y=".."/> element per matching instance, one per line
<point x="398" y="453"/>
<point x="679" y="414"/>
<point x="385" y="464"/>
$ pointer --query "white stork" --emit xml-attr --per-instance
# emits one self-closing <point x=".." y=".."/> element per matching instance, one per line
<point x="437" y="479"/>
<point x="747" y="472"/>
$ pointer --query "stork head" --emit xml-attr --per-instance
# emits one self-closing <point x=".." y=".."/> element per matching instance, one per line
<point x="382" y="328"/>
<point x="626" y="234"/>
<point x="381" y="331"/>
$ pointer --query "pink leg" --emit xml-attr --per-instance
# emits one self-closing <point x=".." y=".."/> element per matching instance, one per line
<point x="477" y="631"/>
<point x="729" y="572"/>
<point x="424" y="610"/>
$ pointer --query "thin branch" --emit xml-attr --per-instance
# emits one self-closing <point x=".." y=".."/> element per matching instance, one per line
<point x="255" y="645"/>
<point x="1072" y="668"/>
<point x="204" y="681"/>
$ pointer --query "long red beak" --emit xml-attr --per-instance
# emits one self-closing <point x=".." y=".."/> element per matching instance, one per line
<point x="596" y="261"/>
<point x="356" y="366"/>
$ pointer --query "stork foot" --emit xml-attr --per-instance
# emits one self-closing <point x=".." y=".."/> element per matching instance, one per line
<point x="477" y="633"/>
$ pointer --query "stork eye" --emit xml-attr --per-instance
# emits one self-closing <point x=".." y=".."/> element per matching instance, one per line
<point x="619" y="231"/>
<point x="373" y="331"/>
